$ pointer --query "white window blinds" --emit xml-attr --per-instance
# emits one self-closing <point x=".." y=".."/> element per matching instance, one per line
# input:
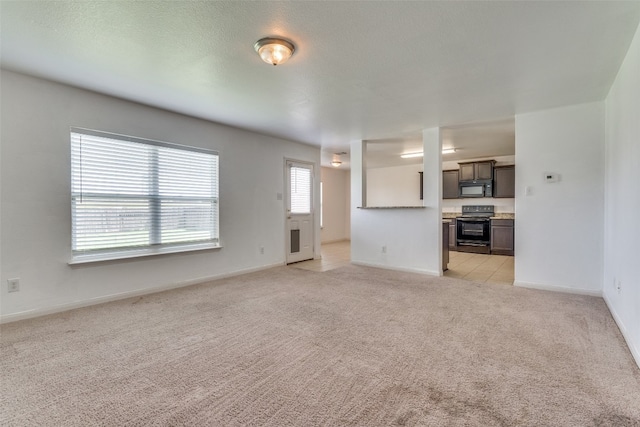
<point x="300" y="190"/>
<point x="132" y="193"/>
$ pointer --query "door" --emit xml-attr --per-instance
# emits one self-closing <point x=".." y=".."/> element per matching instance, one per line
<point x="299" y="226"/>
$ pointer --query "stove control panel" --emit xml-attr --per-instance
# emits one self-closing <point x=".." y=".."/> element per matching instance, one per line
<point x="478" y="210"/>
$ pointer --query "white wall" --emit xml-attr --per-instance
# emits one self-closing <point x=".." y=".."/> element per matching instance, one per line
<point x="412" y="236"/>
<point x="502" y="205"/>
<point x="394" y="185"/>
<point x="622" y="199"/>
<point x="35" y="179"/>
<point x="335" y="204"/>
<point x="559" y="227"/>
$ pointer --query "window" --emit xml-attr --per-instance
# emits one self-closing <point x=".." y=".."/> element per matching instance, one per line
<point x="300" y="190"/>
<point x="321" y="208"/>
<point x="130" y="193"/>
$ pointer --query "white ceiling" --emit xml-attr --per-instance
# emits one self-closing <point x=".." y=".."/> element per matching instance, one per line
<point x="362" y="70"/>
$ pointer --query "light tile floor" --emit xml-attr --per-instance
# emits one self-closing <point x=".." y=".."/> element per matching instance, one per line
<point x="334" y="255"/>
<point x="481" y="268"/>
<point x="497" y="269"/>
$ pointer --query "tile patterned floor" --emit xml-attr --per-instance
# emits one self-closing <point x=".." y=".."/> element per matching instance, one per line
<point x="480" y="268"/>
<point x="334" y="255"/>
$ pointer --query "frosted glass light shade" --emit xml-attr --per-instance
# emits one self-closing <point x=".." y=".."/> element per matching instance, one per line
<point x="274" y="51"/>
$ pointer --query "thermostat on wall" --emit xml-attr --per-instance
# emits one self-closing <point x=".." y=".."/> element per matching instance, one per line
<point x="551" y="177"/>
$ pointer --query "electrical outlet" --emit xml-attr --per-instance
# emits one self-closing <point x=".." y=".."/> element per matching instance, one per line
<point x="261" y="250"/>
<point x="13" y="285"/>
<point x="384" y="249"/>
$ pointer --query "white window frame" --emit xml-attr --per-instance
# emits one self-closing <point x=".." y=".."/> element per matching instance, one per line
<point x="154" y="198"/>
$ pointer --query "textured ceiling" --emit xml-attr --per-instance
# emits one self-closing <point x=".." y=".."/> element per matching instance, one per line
<point x="362" y="70"/>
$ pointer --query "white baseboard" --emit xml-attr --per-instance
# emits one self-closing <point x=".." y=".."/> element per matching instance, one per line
<point x="635" y="351"/>
<point x="328" y="242"/>
<point x="405" y="270"/>
<point x="37" y="312"/>
<point x="553" y="288"/>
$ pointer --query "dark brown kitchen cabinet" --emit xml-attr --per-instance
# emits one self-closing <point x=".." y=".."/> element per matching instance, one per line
<point x="445" y="245"/>
<point x="502" y="236"/>
<point x="452" y="235"/>
<point x="504" y="184"/>
<point x="450" y="184"/>
<point x="476" y="170"/>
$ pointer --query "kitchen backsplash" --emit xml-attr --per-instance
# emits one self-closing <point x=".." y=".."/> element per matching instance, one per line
<point x="498" y="215"/>
<point x="500" y="205"/>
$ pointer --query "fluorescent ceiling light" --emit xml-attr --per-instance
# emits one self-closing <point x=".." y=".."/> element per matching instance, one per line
<point x="410" y="155"/>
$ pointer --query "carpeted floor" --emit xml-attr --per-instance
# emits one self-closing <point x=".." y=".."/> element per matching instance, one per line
<point x="354" y="346"/>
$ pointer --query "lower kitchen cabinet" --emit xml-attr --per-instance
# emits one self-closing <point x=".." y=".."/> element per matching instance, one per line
<point x="445" y="245"/>
<point x="502" y="236"/>
<point x="452" y="235"/>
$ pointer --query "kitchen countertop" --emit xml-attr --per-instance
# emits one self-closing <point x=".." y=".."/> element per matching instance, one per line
<point x="504" y="216"/>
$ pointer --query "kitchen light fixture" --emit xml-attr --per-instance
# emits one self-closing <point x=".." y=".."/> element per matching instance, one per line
<point x="336" y="163"/>
<point x="410" y="155"/>
<point x="273" y="50"/>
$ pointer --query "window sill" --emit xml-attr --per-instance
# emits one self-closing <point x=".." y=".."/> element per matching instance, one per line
<point x="140" y="253"/>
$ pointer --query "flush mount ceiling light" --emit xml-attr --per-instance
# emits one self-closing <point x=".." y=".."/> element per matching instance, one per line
<point x="448" y="150"/>
<point x="273" y="50"/>
<point x="336" y="159"/>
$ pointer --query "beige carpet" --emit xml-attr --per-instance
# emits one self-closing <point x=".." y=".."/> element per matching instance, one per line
<point x="354" y="346"/>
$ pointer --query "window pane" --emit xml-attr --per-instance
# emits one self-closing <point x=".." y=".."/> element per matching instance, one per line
<point x="300" y="190"/>
<point x="100" y="223"/>
<point x="184" y="221"/>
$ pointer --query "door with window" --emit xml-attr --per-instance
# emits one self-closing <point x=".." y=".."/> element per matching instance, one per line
<point x="299" y="220"/>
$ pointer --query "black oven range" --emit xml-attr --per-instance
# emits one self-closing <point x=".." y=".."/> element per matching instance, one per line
<point x="473" y="228"/>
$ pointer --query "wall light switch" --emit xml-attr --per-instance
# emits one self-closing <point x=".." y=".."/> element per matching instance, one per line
<point x="551" y="177"/>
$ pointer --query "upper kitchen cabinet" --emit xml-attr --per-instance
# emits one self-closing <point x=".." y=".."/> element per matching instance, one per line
<point x="475" y="171"/>
<point x="504" y="181"/>
<point x="450" y="187"/>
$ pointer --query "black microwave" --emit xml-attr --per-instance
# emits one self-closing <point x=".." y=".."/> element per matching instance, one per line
<point x="479" y="188"/>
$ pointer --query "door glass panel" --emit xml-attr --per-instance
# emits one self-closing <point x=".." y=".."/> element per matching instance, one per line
<point x="300" y="190"/>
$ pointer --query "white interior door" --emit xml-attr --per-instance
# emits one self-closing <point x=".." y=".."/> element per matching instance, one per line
<point x="300" y="230"/>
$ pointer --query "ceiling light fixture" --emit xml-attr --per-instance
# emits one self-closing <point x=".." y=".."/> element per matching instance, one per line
<point x="273" y="50"/>
<point x="336" y="159"/>
<point x="411" y="155"/>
